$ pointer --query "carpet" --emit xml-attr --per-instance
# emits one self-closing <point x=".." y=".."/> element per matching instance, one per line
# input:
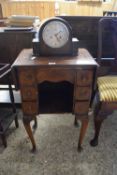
<point x="56" y="139"/>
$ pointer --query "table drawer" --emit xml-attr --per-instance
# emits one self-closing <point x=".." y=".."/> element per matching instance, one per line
<point x="26" y="76"/>
<point x="30" y="108"/>
<point x="29" y="93"/>
<point x="82" y="93"/>
<point x="84" y="77"/>
<point x="55" y="75"/>
<point x="81" y="108"/>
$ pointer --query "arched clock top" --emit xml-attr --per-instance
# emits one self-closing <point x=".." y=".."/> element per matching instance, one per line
<point x="55" y="39"/>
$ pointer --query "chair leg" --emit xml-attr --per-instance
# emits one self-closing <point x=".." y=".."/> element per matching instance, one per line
<point x="96" y="106"/>
<point x="97" y="124"/>
<point x="3" y="137"/>
<point x="12" y="98"/>
<point x="16" y="121"/>
<point x="13" y="104"/>
<point x="76" y="122"/>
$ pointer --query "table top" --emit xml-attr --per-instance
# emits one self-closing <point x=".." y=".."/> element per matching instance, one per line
<point x="83" y="58"/>
<point x="11" y="30"/>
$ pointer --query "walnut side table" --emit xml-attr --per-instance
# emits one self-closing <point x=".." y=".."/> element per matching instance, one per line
<point x="31" y="71"/>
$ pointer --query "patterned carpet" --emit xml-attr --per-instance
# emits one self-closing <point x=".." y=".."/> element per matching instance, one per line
<point x="56" y="139"/>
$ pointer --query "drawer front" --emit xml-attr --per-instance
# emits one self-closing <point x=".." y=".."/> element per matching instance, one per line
<point x="26" y="76"/>
<point x="84" y="77"/>
<point x="82" y="93"/>
<point x="30" y="108"/>
<point x="29" y="93"/>
<point x="55" y="75"/>
<point x="81" y="108"/>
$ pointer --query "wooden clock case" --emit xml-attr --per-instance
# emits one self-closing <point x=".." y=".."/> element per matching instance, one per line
<point x="42" y="49"/>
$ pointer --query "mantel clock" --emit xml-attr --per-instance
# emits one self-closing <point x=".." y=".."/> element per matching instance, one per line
<point x="55" y="39"/>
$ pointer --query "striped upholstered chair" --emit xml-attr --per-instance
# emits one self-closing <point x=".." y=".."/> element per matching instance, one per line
<point x="105" y="100"/>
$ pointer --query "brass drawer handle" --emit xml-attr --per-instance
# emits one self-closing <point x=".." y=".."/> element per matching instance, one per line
<point x="29" y="76"/>
<point x="28" y="93"/>
<point x="84" y="78"/>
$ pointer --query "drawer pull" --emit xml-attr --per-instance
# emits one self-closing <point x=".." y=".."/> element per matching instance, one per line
<point x="84" y="77"/>
<point x="82" y="93"/>
<point x="26" y="76"/>
<point x="81" y="108"/>
<point x="29" y="93"/>
<point x="29" y="76"/>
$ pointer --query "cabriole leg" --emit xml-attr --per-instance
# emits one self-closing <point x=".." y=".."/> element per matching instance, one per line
<point x="97" y="125"/>
<point x="83" y="130"/>
<point x="26" y="122"/>
<point x="76" y="122"/>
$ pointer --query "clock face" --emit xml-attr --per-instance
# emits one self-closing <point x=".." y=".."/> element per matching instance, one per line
<point x="55" y="34"/>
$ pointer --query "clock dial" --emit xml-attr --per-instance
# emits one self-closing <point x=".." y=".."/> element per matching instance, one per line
<point x="54" y="38"/>
<point x="55" y="34"/>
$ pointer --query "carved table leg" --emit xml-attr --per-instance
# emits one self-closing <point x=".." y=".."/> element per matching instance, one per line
<point x="82" y="133"/>
<point x="26" y="122"/>
<point x="35" y="123"/>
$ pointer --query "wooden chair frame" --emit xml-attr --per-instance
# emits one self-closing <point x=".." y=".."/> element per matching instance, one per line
<point x="5" y="73"/>
<point x="101" y="109"/>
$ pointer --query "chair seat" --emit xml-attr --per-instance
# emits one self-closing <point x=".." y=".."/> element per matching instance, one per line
<point x="107" y="86"/>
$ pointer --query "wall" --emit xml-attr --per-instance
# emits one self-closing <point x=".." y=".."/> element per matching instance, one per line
<point x="45" y="9"/>
<point x="41" y="9"/>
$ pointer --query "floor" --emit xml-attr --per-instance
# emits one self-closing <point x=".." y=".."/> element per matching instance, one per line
<point x="4" y="97"/>
<point x="56" y="139"/>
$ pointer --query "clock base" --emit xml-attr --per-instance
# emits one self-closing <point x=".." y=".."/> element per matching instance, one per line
<point x="69" y="50"/>
<point x="75" y="43"/>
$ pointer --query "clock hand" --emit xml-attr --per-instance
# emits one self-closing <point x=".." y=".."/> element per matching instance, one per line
<point x="57" y="33"/>
<point x="57" y="37"/>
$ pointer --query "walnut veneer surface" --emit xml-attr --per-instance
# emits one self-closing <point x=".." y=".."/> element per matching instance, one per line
<point x="30" y="71"/>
